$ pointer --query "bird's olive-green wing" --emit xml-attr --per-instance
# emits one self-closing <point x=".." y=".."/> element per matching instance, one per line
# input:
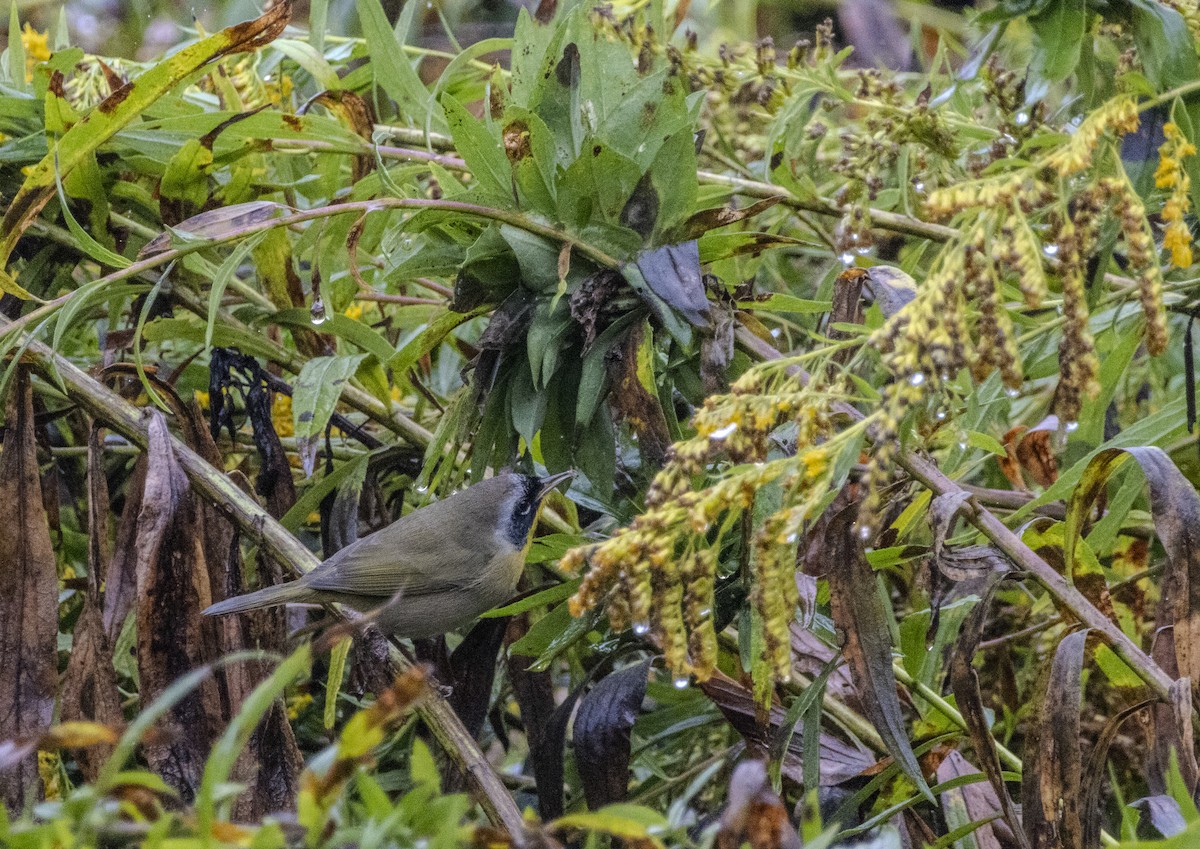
<point x="423" y="553"/>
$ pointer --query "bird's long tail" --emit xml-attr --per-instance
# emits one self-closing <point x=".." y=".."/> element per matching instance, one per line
<point x="266" y="597"/>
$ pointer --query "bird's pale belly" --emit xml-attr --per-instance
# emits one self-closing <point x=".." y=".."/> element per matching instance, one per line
<point x="427" y="616"/>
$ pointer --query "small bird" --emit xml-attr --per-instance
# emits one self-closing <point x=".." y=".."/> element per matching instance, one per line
<point x="444" y="564"/>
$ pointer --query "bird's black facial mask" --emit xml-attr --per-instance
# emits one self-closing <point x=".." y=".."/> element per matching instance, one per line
<point x="528" y="499"/>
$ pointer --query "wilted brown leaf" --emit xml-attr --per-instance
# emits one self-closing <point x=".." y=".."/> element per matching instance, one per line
<point x="89" y="689"/>
<point x="1050" y="783"/>
<point x="754" y="813"/>
<point x="120" y="579"/>
<point x="29" y="600"/>
<point x="635" y="402"/>
<point x="1093" y="775"/>
<point x="840" y="761"/>
<point x="965" y="684"/>
<point x="971" y="802"/>
<point x="173" y="588"/>
<point x="859" y="613"/>
<point x="601" y="734"/>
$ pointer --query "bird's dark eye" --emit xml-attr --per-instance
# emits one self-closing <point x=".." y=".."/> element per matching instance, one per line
<point x="524" y="508"/>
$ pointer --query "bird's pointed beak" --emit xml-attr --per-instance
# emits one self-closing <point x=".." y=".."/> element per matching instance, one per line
<point x="551" y="481"/>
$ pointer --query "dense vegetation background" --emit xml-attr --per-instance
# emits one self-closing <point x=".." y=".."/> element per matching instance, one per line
<point x="870" y="339"/>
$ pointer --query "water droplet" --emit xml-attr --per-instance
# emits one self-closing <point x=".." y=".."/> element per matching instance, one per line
<point x="723" y="433"/>
<point x="776" y="332"/>
<point x="407" y="244"/>
<point x="918" y="186"/>
<point x="422" y="489"/>
<point x="940" y="415"/>
<point x="944" y="377"/>
<point x="962" y="440"/>
<point x="791" y="538"/>
<point x="705" y="612"/>
<point x="1072" y="427"/>
<point x="1050" y="250"/>
<point x="854" y="237"/>
<point x="1012" y="393"/>
<point x="641" y="148"/>
<point x="1022" y="119"/>
<point x="864" y="532"/>
<point x="917" y="378"/>
<point x="641" y="629"/>
<point x="848" y="258"/>
<point x="681" y="683"/>
<point x="317" y="311"/>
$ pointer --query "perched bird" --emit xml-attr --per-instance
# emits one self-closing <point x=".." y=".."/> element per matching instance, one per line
<point x="444" y="564"/>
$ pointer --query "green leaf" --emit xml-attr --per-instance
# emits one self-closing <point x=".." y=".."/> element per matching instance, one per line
<point x="786" y="303"/>
<point x="1165" y="44"/>
<point x="483" y="152"/>
<point x="333" y="681"/>
<point x="314" y="397"/>
<point x="620" y="820"/>
<point x="985" y="442"/>
<point x="1057" y="38"/>
<point x="390" y="65"/>
<point x="342" y="326"/>
<point x="539" y="599"/>
<point x="429" y="338"/>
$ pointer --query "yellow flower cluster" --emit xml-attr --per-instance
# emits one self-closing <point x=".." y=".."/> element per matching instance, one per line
<point x="1119" y="115"/>
<point x="281" y="415"/>
<point x="1171" y="174"/>
<point x="37" y="49"/>
<point x="658" y="575"/>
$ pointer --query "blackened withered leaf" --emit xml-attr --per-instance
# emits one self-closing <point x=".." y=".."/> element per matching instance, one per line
<point x="29" y="600"/>
<point x="858" y="611"/>
<point x="716" y="347"/>
<point x="473" y="665"/>
<point x="120" y="580"/>
<point x="1175" y="508"/>
<point x="1094" y="775"/>
<point x="840" y="762"/>
<point x="971" y="802"/>
<point x="269" y="765"/>
<point x="673" y="274"/>
<point x="173" y="588"/>
<point x="508" y="325"/>
<point x="590" y="302"/>
<point x="754" y="814"/>
<point x="548" y="768"/>
<point x="641" y="210"/>
<point x="89" y="689"/>
<point x="601" y="734"/>
<point x="1050" y="783"/>
<point x="965" y="683"/>
<point x="722" y="216"/>
<point x="634" y="397"/>
<point x="534" y="692"/>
